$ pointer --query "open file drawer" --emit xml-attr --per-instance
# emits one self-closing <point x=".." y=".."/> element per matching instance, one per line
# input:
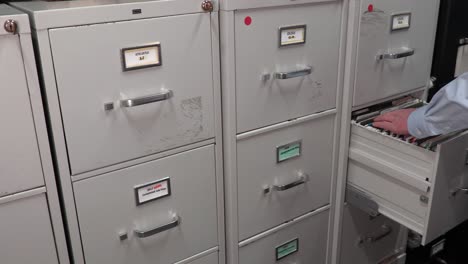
<point x="419" y="188"/>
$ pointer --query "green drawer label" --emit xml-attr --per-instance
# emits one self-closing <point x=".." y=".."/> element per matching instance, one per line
<point x="288" y="151"/>
<point x="287" y="249"/>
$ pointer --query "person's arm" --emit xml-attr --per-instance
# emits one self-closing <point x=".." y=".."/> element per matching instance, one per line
<point x="447" y="112"/>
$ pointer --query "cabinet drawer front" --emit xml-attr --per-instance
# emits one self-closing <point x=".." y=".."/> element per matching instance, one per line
<point x="27" y="235"/>
<point x="307" y="72"/>
<point x="367" y="240"/>
<point x="274" y="189"/>
<point x="310" y="235"/>
<point x="170" y="228"/>
<point x="18" y="137"/>
<point x="154" y="108"/>
<point x="386" y="65"/>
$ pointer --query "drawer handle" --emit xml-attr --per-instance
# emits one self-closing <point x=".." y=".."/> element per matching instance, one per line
<point x="146" y="99"/>
<point x="303" y="178"/>
<point x="293" y="74"/>
<point x="463" y="41"/>
<point x="459" y="190"/>
<point x="386" y="231"/>
<point x="396" y="55"/>
<point x="147" y="233"/>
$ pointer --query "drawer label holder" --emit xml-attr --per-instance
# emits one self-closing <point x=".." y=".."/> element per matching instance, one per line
<point x="292" y="35"/>
<point x="401" y="21"/>
<point x="288" y="151"/>
<point x="152" y="191"/>
<point x="287" y="249"/>
<point x="141" y="57"/>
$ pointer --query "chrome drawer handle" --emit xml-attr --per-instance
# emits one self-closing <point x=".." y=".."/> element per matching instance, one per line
<point x="303" y="178"/>
<point x="459" y="190"/>
<point x="146" y="99"/>
<point x="293" y="74"/>
<point x="386" y="231"/>
<point x="396" y="55"/>
<point x="159" y="229"/>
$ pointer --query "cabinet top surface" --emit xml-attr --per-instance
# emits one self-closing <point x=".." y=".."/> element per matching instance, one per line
<point x="53" y="14"/>
<point x="41" y="5"/>
<point x="6" y="10"/>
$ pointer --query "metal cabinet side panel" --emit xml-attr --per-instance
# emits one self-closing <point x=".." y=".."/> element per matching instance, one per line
<point x="42" y="134"/>
<point x="18" y="141"/>
<point x="96" y="77"/>
<point x="27" y="235"/>
<point x="262" y="103"/>
<point x="218" y="126"/>
<point x="228" y="74"/>
<point x="58" y="149"/>
<point x="447" y="210"/>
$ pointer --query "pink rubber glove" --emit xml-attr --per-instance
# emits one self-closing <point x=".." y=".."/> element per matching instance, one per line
<point x="395" y="122"/>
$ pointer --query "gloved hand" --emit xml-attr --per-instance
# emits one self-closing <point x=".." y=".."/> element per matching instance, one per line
<point x="395" y="122"/>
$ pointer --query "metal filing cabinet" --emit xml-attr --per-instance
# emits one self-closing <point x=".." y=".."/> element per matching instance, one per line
<point x="133" y="95"/>
<point x="29" y="206"/>
<point x="418" y="184"/>
<point x="281" y="68"/>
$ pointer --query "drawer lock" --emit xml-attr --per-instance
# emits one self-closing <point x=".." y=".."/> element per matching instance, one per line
<point x="424" y="199"/>
<point x="207" y="5"/>
<point x="10" y="26"/>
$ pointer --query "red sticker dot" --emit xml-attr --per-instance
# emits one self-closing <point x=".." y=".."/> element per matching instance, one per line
<point x="370" y="8"/>
<point x="248" y="20"/>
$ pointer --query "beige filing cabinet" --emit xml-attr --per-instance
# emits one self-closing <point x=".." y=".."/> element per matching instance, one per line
<point x="281" y="69"/>
<point x="418" y="184"/>
<point x="31" y="222"/>
<point x="133" y="93"/>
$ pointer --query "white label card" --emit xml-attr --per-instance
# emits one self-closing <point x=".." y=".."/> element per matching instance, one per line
<point x="401" y="21"/>
<point x="292" y="35"/>
<point x="152" y="191"/>
<point x="141" y="57"/>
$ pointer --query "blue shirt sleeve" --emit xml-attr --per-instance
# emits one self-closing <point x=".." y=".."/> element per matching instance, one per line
<point x="446" y="113"/>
